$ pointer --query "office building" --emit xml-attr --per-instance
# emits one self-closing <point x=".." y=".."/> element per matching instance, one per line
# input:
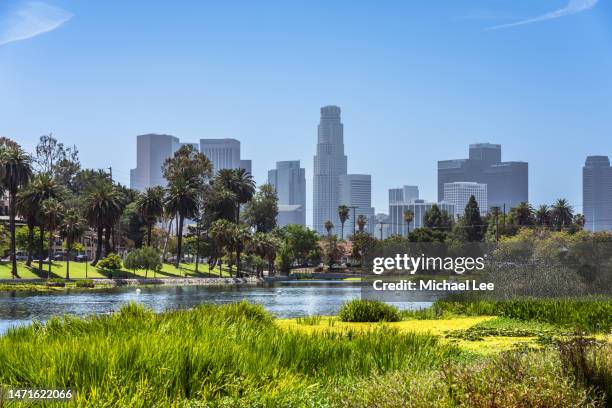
<point x="507" y="182"/>
<point x="224" y="154"/>
<point x="403" y="194"/>
<point x="329" y="164"/>
<point x="597" y="193"/>
<point x="355" y="190"/>
<point x="289" y="181"/>
<point x="151" y="152"/>
<point x="290" y="214"/>
<point x="397" y="225"/>
<point x="459" y="194"/>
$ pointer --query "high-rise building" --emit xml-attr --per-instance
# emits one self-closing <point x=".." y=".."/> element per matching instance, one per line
<point x="403" y="194"/>
<point x="289" y="181"/>
<point x="397" y="225"/>
<point x="507" y="182"/>
<point x="224" y="154"/>
<point x="151" y="152"/>
<point x="329" y="164"/>
<point x="459" y="194"/>
<point x="355" y="190"/>
<point x="597" y="193"/>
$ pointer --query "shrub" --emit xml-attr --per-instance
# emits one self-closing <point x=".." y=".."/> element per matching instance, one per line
<point x="146" y="258"/>
<point x="112" y="262"/>
<point x="368" y="311"/>
<point x="56" y="283"/>
<point x="85" y="283"/>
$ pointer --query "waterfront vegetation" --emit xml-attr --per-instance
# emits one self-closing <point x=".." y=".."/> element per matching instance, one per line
<point x="239" y="355"/>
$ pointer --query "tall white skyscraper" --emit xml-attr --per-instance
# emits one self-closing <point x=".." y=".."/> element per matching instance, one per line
<point x="289" y="181"/>
<point x="224" y="154"/>
<point x="459" y="194"/>
<point x="329" y="164"/>
<point x="355" y="190"/>
<point x="151" y="152"/>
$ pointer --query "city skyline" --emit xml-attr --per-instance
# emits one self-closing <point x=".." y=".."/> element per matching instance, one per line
<point x="417" y="83"/>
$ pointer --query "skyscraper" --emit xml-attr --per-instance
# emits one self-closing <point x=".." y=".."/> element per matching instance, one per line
<point x="597" y="193"/>
<point x="355" y="190"/>
<point x="403" y="194"/>
<point x="459" y="194"/>
<point x="224" y="154"/>
<point x="507" y="182"/>
<point x="329" y="164"/>
<point x="151" y="152"/>
<point x="289" y="181"/>
<point x="397" y="225"/>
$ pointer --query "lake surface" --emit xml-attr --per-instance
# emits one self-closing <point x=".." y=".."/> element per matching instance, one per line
<point x="283" y="299"/>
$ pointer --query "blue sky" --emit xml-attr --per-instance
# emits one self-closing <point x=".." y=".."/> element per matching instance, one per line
<point x="417" y="81"/>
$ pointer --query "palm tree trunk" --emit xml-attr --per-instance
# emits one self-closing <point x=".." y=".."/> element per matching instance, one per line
<point x="30" y="244"/>
<point x="166" y="240"/>
<point x="179" y="240"/>
<point x="98" y="247"/>
<point x="149" y="229"/>
<point x="68" y="260"/>
<point x="50" y="252"/>
<point x="12" y="209"/>
<point x="41" y="248"/>
<point x="197" y="260"/>
<point x="342" y="232"/>
<point x="238" y="265"/>
<point x="107" y="237"/>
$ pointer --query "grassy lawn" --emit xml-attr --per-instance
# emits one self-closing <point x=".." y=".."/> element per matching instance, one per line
<point x="79" y="270"/>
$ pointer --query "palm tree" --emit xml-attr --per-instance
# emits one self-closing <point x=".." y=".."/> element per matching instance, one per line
<point x="103" y="207"/>
<point x="579" y="220"/>
<point x="495" y="212"/>
<point x="240" y="236"/>
<point x="343" y="214"/>
<point x="221" y="235"/>
<point x="523" y="214"/>
<point x="240" y="183"/>
<point x="53" y="212"/>
<point x="15" y="172"/>
<point x="542" y="215"/>
<point x="71" y="229"/>
<point x="41" y="187"/>
<point x="329" y="226"/>
<point x="361" y="222"/>
<point x="408" y="217"/>
<point x="150" y="205"/>
<point x="182" y="200"/>
<point x="562" y="214"/>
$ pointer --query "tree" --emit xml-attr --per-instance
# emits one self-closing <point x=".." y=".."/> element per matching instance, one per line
<point x="472" y="225"/>
<point x="329" y="226"/>
<point x="361" y="222"/>
<point x="240" y="183"/>
<point x="363" y="243"/>
<point x="332" y="252"/>
<point x="562" y="214"/>
<point x="301" y="239"/>
<point x="132" y="225"/>
<point x="262" y="210"/>
<point x="182" y="200"/>
<point x="72" y="228"/>
<point x="343" y="214"/>
<point x="408" y="218"/>
<point x="240" y="236"/>
<point x="53" y="213"/>
<point x="284" y="258"/>
<point x="522" y="215"/>
<point x="103" y="207"/>
<point x="264" y="245"/>
<point x="437" y="219"/>
<point x="150" y="205"/>
<point x="220" y="232"/>
<point x="542" y="216"/>
<point x="147" y="258"/>
<point x="15" y="172"/>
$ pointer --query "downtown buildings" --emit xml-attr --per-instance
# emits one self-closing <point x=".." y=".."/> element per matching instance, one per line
<point x="597" y="193"/>
<point x="289" y="181"/>
<point x="458" y="194"/>
<point x="507" y="182"/>
<point x="355" y="191"/>
<point x="153" y="149"/>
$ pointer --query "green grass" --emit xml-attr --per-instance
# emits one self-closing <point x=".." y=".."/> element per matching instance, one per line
<point x="79" y="270"/>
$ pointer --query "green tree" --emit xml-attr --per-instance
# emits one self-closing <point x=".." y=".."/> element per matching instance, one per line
<point x="343" y="214"/>
<point x="150" y="205"/>
<point x="103" y="207"/>
<point x="262" y="210"/>
<point x="408" y="218"/>
<point x="473" y="228"/>
<point x="522" y="215"/>
<point x="182" y="199"/>
<point x="147" y="258"/>
<point x="542" y="216"/>
<point x="241" y="237"/>
<point x="562" y="214"/>
<point x="301" y="239"/>
<point x="15" y="173"/>
<point x="435" y="218"/>
<point x="240" y="183"/>
<point x="53" y="213"/>
<point x="71" y="229"/>
<point x="220" y="232"/>
<point x="332" y="251"/>
<point x="329" y="226"/>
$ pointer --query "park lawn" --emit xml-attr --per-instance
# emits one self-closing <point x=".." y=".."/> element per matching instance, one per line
<point x="81" y="270"/>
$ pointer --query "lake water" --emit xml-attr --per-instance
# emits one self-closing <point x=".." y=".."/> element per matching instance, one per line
<point x="283" y="299"/>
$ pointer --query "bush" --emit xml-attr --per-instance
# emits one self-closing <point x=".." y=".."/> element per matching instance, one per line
<point x="85" y="283"/>
<point x="56" y="283"/>
<point x="368" y="311"/>
<point x="112" y="262"/>
<point x="146" y="258"/>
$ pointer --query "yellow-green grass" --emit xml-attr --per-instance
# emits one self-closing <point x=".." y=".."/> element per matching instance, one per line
<point x="444" y="328"/>
<point x="80" y="270"/>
